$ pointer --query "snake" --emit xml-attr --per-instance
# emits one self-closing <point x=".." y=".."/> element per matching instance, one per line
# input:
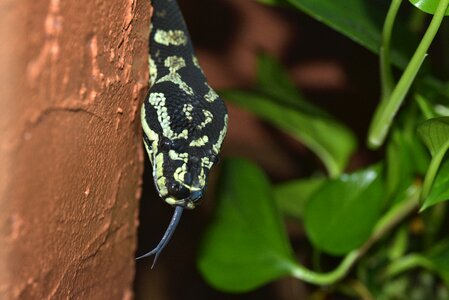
<point x="184" y="120"/>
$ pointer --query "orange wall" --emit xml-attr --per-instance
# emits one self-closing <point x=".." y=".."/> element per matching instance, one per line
<point x="72" y="77"/>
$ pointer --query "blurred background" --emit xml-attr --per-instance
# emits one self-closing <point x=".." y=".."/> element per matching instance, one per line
<point x="330" y="70"/>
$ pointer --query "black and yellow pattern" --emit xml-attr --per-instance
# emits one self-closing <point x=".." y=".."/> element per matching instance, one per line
<point x="184" y="121"/>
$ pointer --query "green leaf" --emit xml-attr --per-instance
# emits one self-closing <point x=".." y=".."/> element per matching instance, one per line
<point x="389" y="106"/>
<point x="291" y="197"/>
<point x="440" y="187"/>
<point x="403" y="147"/>
<point x="351" y="17"/>
<point x="361" y="21"/>
<point x="273" y="80"/>
<point x="427" y="6"/>
<point x="340" y="216"/>
<point x="399" y="170"/>
<point x="435" y="135"/>
<point x="246" y="245"/>
<point x="329" y="140"/>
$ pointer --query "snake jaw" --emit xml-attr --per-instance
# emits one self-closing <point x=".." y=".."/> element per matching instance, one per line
<point x="189" y="202"/>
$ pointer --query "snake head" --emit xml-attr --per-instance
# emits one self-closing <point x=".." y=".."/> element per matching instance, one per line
<point x="180" y="172"/>
<point x="182" y="135"/>
<point x="181" y="158"/>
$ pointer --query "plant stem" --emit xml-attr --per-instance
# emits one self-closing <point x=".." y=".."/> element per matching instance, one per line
<point x="386" y="74"/>
<point x="362" y="291"/>
<point x="406" y="263"/>
<point x="394" y="216"/>
<point x="425" y="107"/>
<point x="388" y="107"/>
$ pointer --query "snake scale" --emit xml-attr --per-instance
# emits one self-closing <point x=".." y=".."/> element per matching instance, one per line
<point x="184" y="121"/>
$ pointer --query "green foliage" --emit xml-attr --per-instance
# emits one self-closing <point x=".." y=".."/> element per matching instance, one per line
<point x="276" y="100"/>
<point x="328" y="139"/>
<point x="435" y="135"/>
<point x="394" y="94"/>
<point x="439" y="259"/>
<point x="435" y="259"/>
<point x="246" y="246"/>
<point x="440" y="188"/>
<point x="333" y="210"/>
<point x="291" y="197"/>
<point x="344" y="214"/>
<point x="428" y="6"/>
<point x="359" y="20"/>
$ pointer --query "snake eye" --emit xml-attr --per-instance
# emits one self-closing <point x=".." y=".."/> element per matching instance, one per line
<point x="176" y="145"/>
<point x="178" y="191"/>
<point x="165" y="145"/>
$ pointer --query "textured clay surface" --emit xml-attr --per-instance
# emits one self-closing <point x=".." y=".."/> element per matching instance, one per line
<point x="73" y="75"/>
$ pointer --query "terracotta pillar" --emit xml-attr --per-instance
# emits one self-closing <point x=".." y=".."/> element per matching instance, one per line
<point x="72" y="77"/>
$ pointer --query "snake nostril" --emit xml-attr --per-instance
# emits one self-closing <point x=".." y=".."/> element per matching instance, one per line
<point x="178" y="191"/>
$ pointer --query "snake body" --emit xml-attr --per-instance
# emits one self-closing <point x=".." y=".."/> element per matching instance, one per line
<point x="184" y="121"/>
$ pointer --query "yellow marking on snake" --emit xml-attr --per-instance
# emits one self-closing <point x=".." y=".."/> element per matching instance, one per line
<point x="187" y="109"/>
<point x="171" y="201"/>
<point x="206" y="163"/>
<point x="175" y="63"/>
<point x="199" y="142"/>
<point x="217" y="145"/>
<point x="161" y="13"/>
<point x="161" y="183"/>
<point x="182" y="202"/>
<point x="151" y="134"/>
<point x="202" y="178"/>
<point x="196" y="63"/>
<point x="208" y="117"/>
<point x="153" y="71"/>
<point x="158" y="172"/>
<point x="183" y="135"/>
<point x="180" y="173"/>
<point x="211" y="95"/>
<point x="170" y="37"/>
<point x="159" y="161"/>
<point x="178" y="156"/>
<point x="157" y="100"/>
